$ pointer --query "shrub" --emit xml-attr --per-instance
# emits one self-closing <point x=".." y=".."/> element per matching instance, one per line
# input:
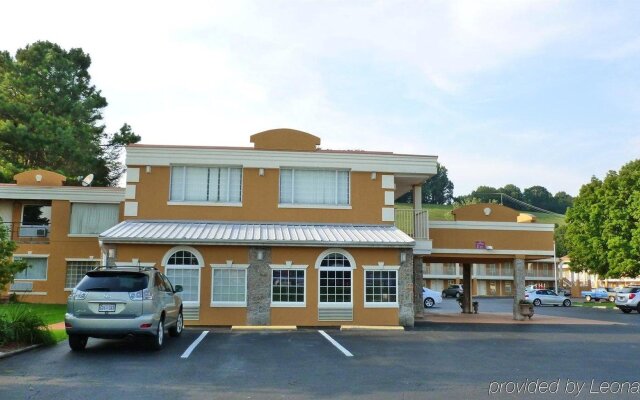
<point x="22" y="325"/>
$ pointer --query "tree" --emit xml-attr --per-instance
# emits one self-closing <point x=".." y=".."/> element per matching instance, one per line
<point x="559" y="237"/>
<point x="8" y="267"/>
<point x="438" y="189"/>
<point x="538" y="196"/>
<point x="603" y="226"/>
<point x="51" y="116"/>
<point x="561" y="202"/>
<point x="512" y="191"/>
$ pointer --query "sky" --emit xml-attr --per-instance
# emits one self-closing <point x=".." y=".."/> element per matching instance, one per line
<point x="523" y="92"/>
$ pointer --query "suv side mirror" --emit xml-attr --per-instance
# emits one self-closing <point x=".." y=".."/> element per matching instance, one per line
<point x="178" y="288"/>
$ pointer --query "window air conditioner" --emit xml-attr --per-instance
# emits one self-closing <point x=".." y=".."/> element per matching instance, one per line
<point x="41" y="232"/>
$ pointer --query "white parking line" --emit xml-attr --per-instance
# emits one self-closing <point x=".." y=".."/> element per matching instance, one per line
<point x="338" y="345"/>
<point x="187" y="352"/>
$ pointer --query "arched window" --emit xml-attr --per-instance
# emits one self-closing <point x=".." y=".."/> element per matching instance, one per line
<point x="182" y="267"/>
<point x="335" y="274"/>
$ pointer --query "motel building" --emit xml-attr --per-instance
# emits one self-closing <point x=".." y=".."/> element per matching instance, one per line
<point x="279" y="233"/>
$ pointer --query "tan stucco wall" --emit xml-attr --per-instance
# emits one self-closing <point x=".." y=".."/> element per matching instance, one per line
<point x="260" y="196"/>
<point x="499" y="239"/>
<point x="47" y="178"/>
<point x="476" y="212"/>
<point x="302" y="316"/>
<point x="285" y="139"/>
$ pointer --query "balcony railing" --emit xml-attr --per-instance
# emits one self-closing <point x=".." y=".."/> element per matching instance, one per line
<point x="542" y="273"/>
<point x="484" y="270"/>
<point x="23" y="233"/>
<point x="449" y="270"/>
<point x="414" y="223"/>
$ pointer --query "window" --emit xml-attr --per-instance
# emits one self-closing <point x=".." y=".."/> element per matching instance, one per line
<point x="229" y="287"/>
<point x="36" y="219"/>
<point x="76" y="270"/>
<point x="381" y="287"/>
<point x="183" y="268"/>
<point x="314" y="187"/>
<point x="37" y="269"/>
<point x="92" y="219"/>
<point x="335" y="279"/>
<point x="206" y="184"/>
<point x="287" y="286"/>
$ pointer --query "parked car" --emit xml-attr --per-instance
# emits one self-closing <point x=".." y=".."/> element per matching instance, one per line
<point x="430" y="297"/>
<point x="598" y="294"/>
<point x="628" y="299"/>
<point x="453" y="291"/>
<point x="122" y="301"/>
<point x="546" y="296"/>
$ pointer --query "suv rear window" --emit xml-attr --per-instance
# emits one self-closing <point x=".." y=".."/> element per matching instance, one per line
<point x="101" y="281"/>
<point x="629" y="290"/>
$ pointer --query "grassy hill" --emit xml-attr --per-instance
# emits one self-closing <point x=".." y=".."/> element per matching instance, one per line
<point x="438" y="212"/>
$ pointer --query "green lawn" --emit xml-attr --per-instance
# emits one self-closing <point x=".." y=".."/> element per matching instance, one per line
<point x="439" y="212"/>
<point x="50" y="313"/>
<point x="606" y="304"/>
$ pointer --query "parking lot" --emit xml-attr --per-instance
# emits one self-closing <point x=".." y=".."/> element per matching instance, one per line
<point x="430" y="361"/>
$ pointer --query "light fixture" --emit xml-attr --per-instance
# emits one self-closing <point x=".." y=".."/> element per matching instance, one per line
<point x="261" y="171"/>
<point x="489" y="247"/>
<point x="403" y="257"/>
<point x="38" y="178"/>
<point x="260" y="254"/>
<point x="373" y="176"/>
<point x="148" y="169"/>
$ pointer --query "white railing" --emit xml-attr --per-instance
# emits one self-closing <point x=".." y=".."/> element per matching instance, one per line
<point x="439" y="269"/>
<point x="414" y="223"/>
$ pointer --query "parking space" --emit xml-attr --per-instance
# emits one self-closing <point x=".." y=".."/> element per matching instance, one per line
<point x="438" y="360"/>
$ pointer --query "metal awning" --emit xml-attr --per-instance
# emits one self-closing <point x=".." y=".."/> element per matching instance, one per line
<point x="272" y="234"/>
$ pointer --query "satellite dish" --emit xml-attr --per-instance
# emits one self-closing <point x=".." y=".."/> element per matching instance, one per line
<point x="87" y="180"/>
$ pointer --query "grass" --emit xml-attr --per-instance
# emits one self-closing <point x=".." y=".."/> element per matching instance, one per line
<point x="440" y="212"/>
<point x="24" y="323"/>
<point x="50" y="313"/>
<point x="606" y="304"/>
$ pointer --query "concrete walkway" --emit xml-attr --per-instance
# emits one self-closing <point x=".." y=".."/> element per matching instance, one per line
<point x="57" y="326"/>
<point x="507" y="318"/>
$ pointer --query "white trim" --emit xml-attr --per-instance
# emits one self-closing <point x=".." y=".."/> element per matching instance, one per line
<point x="345" y="253"/>
<point x="388" y="182"/>
<point x="320" y="206"/>
<point x="173" y="250"/>
<point x="229" y="266"/>
<point x="274" y="159"/>
<point x="31" y="255"/>
<point x="283" y="304"/>
<point x="69" y="193"/>
<point x="288" y="265"/>
<point x="130" y="208"/>
<point x="130" y="192"/>
<point x="388" y="214"/>
<point x="381" y="267"/>
<point x="29" y="293"/>
<point x="388" y="304"/>
<point x="188" y="303"/>
<point x="133" y="175"/>
<point x="202" y="203"/>
<point x="82" y="259"/>
<point x="389" y="198"/>
<point x="495" y="226"/>
<point x="493" y="252"/>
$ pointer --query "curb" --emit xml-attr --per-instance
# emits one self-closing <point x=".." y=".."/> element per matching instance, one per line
<point x="18" y="351"/>
<point x="370" y="328"/>
<point x="264" y="328"/>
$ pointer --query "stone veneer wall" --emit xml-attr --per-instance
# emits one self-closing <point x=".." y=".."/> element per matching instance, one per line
<point x="259" y="287"/>
<point x="406" y="289"/>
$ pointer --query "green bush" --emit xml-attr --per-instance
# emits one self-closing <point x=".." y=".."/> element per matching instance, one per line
<point x="22" y="325"/>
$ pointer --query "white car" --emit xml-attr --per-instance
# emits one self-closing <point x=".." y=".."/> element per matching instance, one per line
<point x="545" y="296"/>
<point x="430" y="297"/>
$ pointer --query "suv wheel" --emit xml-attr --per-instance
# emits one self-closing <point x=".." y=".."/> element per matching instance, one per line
<point x="158" y="339"/>
<point x="444" y="294"/>
<point x="78" y="342"/>
<point x="176" y="330"/>
<point x="428" y="302"/>
<point x="626" y="310"/>
<point x="537" y="302"/>
<point x="458" y="295"/>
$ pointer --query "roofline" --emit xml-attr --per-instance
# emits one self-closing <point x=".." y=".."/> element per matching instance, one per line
<point x="275" y="243"/>
<point x="69" y="193"/>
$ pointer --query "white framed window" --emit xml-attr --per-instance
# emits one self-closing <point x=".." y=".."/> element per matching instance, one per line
<point x="36" y="220"/>
<point x="76" y="270"/>
<point x="182" y="265"/>
<point x="36" y="271"/>
<point x="206" y="184"/>
<point x="381" y="287"/>
<point x="288" y="285"/>
<point x="92" y="219"/>
<point x="335" y="283"/>
<point x="314" y="187"/>
<point x="229" y="285"/>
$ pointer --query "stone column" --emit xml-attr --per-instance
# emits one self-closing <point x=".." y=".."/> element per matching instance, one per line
<point x="259" y="286"/>
<point x="466" y="282"/>
<point x="406" y="288"/>
<point x="418" y="283"/>
<point x="518" y="280"/>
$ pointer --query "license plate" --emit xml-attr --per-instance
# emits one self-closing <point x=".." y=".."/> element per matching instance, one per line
<point x="106" y="307"/>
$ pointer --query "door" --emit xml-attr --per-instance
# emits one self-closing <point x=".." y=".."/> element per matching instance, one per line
<point x="482" y="288"/>
<point x="335" y="302"/>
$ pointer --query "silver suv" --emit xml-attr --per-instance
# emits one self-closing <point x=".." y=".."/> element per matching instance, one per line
<point x="116" y="302"/>
<point x="627" y="299"/>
